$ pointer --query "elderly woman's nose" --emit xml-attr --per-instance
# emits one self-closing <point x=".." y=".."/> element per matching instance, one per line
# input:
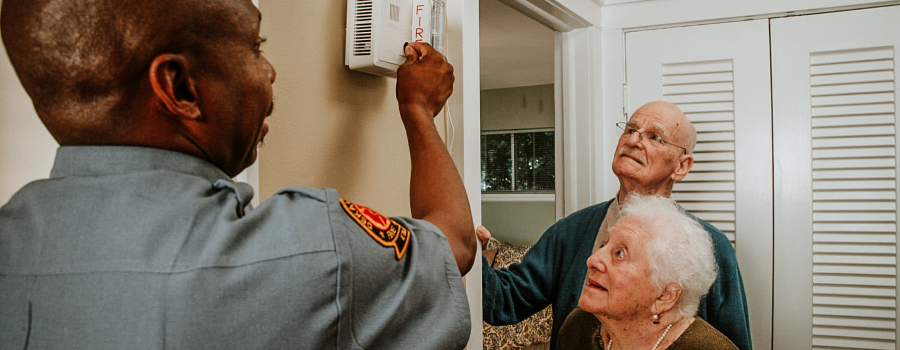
<point x="596" y="262"/>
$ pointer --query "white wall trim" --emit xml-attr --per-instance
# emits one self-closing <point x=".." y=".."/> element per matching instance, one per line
<point x="550" y="13"/>
<point x="559" y="135"/>
<point x="463" y="53"/>
<point x="589" y="10"/>
<point x="656" y="14"/>
<point x="612" y="79"/>
<point x="518" y="197"/>
<point x="581" y="106"/>
<point x="515" y="131"/>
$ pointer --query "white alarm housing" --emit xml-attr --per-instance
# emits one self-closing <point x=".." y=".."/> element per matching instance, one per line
<point x="378" y="29"/>
<point x="376" y="32"/>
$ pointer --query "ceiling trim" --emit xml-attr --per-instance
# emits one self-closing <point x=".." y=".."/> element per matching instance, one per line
<point x="549" y="13"/>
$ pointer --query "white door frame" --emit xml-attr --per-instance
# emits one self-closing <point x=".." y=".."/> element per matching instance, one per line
<point x="462" y="117"/>
<point x="577" y="57"/>
<point x="581" y="126"/>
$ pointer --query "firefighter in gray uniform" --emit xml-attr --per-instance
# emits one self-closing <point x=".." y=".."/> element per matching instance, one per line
<point x="140" y="239"/>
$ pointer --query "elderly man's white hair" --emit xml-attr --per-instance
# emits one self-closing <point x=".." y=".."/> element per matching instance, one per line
<point x="679" y="249"/>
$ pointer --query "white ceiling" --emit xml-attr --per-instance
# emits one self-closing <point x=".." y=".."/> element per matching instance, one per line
<point x="515" y="50"/>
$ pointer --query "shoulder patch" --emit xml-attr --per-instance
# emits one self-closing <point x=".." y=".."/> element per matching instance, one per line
<point x="385" y="231"/>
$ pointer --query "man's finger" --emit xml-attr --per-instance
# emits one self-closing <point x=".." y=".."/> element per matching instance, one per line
<point x="421" y="50"/>
<point x="483" y="235"/>
<point x="411" y="53"/>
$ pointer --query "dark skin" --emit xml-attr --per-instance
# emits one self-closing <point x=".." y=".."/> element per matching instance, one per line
<point x="188" y="76"/>
<point x="103" y="78"/>
<point x="436" y="191"/>
<point x="218" y="102"/>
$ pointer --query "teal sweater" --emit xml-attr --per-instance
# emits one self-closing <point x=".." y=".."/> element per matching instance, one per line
<point x="553" y="272"/>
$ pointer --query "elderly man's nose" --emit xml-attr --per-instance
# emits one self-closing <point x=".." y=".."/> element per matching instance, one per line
<point x="633" y="139"/>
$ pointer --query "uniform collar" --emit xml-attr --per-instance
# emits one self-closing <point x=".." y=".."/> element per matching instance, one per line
<point x="110" y="160"/>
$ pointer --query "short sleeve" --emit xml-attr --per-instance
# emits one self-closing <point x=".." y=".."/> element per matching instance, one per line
<point x="400" y="287"/>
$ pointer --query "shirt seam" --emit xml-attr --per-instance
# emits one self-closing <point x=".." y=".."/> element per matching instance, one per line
<point x="173" y="272"/>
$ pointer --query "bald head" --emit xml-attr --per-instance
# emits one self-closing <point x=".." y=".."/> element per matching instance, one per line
<point x="649" y="159"/>
<point x="82" y="61"/>
<point x="684" y="131"/>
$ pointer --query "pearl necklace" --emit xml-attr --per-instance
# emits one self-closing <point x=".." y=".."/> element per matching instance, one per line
<point x="609" y="347"/>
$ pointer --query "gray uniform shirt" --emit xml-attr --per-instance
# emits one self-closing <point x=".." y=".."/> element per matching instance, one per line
<point x="139" y="248"/>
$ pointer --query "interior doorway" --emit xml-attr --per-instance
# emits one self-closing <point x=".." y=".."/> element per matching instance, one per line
<point x="518" y="168"/>
<point x="539" y="98"/>
<point x="518" y="118"/>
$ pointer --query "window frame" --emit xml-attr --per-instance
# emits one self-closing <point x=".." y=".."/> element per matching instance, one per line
<point x="521" y="195"/>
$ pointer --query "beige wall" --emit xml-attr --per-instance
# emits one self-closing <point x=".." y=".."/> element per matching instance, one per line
<point x="518" y="223"/>
<point x="525" y="107"/>
<point x="508" y="109"/>
<point x="26" y="148"/>
<point x="332" y="127"/>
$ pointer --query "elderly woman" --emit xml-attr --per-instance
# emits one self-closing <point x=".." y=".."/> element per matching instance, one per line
<point x="644" y="284"/>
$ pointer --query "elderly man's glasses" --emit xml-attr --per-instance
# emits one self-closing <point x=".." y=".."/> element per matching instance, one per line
<point x="626" y="130"/>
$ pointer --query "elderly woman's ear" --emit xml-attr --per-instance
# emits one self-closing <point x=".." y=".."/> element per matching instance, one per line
<point x="667" y="299"/>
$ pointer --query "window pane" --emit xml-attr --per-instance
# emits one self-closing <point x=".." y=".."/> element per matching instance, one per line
<point x="528" y="157"/>
<point x="544" y="164"/>
<point x="496" y="162"/>
<point x="535" y="167"/>
<point x="524" y="161"/>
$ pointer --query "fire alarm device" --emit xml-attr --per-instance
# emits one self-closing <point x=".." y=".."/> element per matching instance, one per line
<point x="378" y="29"/>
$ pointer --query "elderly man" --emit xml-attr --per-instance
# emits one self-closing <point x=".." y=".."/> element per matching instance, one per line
<point x="654" y="152"/>
<point x="140" y="239"/>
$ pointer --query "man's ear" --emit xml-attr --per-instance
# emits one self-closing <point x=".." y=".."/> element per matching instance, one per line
<point x="685" y="162"/>
<point x="173" y="84"/>
<point x="666" y="299"/>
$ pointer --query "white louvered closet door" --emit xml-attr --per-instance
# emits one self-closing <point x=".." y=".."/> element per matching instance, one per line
<point x="835" y="114"/>
<point x="719" y="76"/>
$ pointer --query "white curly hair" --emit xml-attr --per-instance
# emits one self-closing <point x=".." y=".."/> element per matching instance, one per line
<point x="680" y="250"/>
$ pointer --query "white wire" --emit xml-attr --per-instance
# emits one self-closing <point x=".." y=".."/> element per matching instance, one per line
<point x="452" y="135"/>
<point x="452" y="132"/>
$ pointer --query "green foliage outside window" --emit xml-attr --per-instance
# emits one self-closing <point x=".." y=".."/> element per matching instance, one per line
<point x="527" y="157"/>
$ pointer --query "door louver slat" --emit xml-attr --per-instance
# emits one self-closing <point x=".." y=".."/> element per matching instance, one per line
<point x="705" y="93"/>
<point x="854" y="199"/>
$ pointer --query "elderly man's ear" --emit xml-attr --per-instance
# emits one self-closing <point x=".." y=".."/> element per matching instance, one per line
<point x="174" y="86"/>
<point x="667" y="299"/>
<point x="685" y="162"/>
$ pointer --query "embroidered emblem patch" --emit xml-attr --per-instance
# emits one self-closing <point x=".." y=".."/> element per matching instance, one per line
<point x="385" y="231"/>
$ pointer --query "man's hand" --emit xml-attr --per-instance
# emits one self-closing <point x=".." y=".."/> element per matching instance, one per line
<point x="436" y="192"/>
<point x="424" y="81"/>
<point x="483" y="235"/>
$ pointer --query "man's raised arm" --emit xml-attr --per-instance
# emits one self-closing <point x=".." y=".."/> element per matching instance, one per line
<point x="437" y="194"/>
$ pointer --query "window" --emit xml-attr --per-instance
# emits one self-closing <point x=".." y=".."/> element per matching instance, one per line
<point x="518" y="162"/>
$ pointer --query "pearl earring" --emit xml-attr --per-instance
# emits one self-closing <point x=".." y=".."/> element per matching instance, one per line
<point x="655" y="319"/>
